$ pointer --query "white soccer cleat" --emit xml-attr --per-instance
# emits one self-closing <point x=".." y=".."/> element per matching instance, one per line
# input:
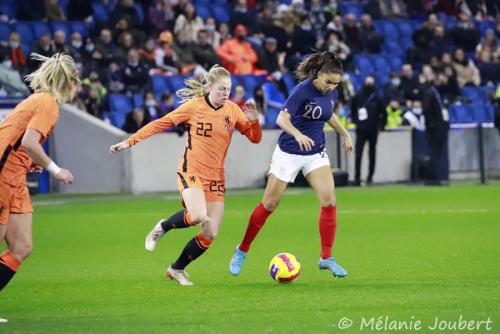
<point x="3" y="321"/>
<point x="181" y="276"/>
<point x="154" y="236"/>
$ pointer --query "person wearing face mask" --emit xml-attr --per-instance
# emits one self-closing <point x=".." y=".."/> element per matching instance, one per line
<point x="393" y="89"/>
<point x="15" y="53"/>
<point x="238" y="55"/>
<point x="151" y="105"/>
<point x="414" y="117"/>
<point x="135" y="74"/>
<point x="211" y="120"/>
<point x="394" y="119"/>
<point x="368" y="113"/>
<point x="10" y="79"/>
<point x="44" y="47"/>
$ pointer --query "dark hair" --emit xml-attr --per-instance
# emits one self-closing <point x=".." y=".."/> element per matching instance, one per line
<point x="318" y="62"/>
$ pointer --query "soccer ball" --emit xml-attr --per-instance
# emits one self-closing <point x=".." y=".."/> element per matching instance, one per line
<point x="284" y="267"/>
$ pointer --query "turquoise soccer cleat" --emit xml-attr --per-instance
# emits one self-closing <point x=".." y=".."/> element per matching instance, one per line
<point x="237" y="261"/>
<point x="333" y="266"/>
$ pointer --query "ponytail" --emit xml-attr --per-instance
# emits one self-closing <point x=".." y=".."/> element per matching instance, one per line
<point x="199" y="86"/>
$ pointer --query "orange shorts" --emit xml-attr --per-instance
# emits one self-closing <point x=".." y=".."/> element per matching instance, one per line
<point x="13" y="199"/>
<point x="214" y="190"/>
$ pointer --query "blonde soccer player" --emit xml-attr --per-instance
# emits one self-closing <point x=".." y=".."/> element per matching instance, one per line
<point x="210" y="118"/>
<point x="22" y="134"/>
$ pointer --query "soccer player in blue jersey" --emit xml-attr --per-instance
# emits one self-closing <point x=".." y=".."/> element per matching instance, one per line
<point x="301" y="146"/>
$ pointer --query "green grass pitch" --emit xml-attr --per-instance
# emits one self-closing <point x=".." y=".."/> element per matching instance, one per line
<point x="413" y="253"/>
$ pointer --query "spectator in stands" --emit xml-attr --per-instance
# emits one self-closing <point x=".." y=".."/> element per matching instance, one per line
<point x="125" y="44"/>
<point x="160" y="16"/>
<point x="335" y="44"/>
<point x="317" y="16"/>
<point x="239" y="95"/>
<point x="465" y="35"/>
<point x="267" y="27"/>
<point x="268" y="57"/>
<point x="409" y="83"/>
<point x="467" y="72"/>
<point x="125" y="10"/>
<point x="30" y="10"/>
<point x="189" y="23"/>
<point x="213" y="36"/>
<point x="166" y="104"/>
<point x="393" y="90"/>
<point x="185" y="58"/>
<point x="488" y="71"/>
<point x="135" y="74"/>
<point x="44" y="47"/>
<point x="135" y="120"/>
<point x="336" y="25"/>
<point x="489" y="42"/>
<point x="165" y="56"/>
<point x="15" y="53"/>
<point x="394" y="113"/>
<point x="93" y="94"/>
<point x="114" y="78"/>
<point x="449" y="89"/>
<point x="224" y="33"/>
<point x="286" y="20"/>
<point x="77" y="51"/>
<point x="440" y="42"/>
<point x="54" y="11"/>
<point x="414" y="117"/>
<point x="80" y="10"/>
<point x="242" y="15"/>
<point x="238" y="55"/>
<point x="369" y="115"/>
<point x="371" y="40"/>
<point x="93" y="58"/>
<point x="151" y="106"/>
<point x="352" y="33"/>
<point x="148" y="53"/>
<point x="394" y="9"/>
<point x="297" y="11"/>
<point x="105" y="45"/>
<point x="203" y="53"/>
<point x="436" y="124"/>
<point x="10" y="79"/>
<point x="60" y="42"/>
<point x="303" y="39"/>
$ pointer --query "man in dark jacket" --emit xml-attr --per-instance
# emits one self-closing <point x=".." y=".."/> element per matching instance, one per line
<point x="203" y="53"/>
<point x="368" y="113"/>
<point x="436" y="124"/>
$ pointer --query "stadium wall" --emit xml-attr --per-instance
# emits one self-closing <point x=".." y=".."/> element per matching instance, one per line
<point x="81" y="142"/>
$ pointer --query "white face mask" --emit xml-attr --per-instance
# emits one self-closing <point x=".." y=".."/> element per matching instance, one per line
<point x="210" y="27"/>
<point x="89" y="47"/>
<point x="14" y="45"/>
<point x="77" y="44"/>
<point x="417" y="111"/>
<point x="306" y="27"/>
<point x="7" y="63"/>
<point x="150" y="103"/>
<point x="396" y="81"/>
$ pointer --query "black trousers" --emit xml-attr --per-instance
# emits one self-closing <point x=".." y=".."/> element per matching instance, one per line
<point x="361" y="138"/>
<point x="437" y="143"/>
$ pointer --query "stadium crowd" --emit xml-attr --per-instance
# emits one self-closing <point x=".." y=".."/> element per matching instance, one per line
<point x="134" y="55"/>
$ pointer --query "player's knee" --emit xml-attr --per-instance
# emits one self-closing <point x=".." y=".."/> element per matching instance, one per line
<point x="270" y="205"/>
<point x="21" y="252"/>
<point x="327" y="200"/>
<point x="198" y="217"/>
<point x="210" y="235"/>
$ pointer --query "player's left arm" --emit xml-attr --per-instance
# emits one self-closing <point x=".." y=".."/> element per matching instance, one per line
<point x="337" y="126"/>
<point x="247" y="122"/>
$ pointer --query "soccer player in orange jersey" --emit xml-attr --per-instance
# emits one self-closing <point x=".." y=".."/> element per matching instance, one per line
<point x="21" y="135"/>
<point x="210" y="119"/>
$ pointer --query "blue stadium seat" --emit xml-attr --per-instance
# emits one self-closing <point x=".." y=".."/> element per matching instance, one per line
<point x="351" y="7"/>
<point x="4" y="31"/>
<point x="389" y="30"/>
<point x="482" y="112"/>
<point x="405" y="28"/>
<point x="62" y="25"/>
<point x="392" y="47"/>
<point x="363" y="64"/>
<point x="138" y="100"/>
<point x="381" y="64"/>
<point x="382" y="78"/>
<point x="64" y="5"/>
<point x="220" y="2"/>
<point x="485" y="25"/>
<point x="24" y="29"/>
<point x="203" y="12"/>
<point x="120" y="102"/>
<point x="140" y="11"/>
<point x="273" y="95"/>
<point x="356" y="81"/>
<point x="101" y="13"/>
<point x="250" y="82"/>
<point x="159" y="86"/>
<point x="40" y="29"/>
<point x="221" y="13"/>
<point x="175" y="82"/>
<point x="271" y="116"/>
<point x="81" y="27"/>
<point x="202" y="3"/>
<point x="395" y="62"/>
<point x="460" y="113"/>
<point x="472" y="93"/>
<point x="9" y="8"/>
<point x="26" y="48"/>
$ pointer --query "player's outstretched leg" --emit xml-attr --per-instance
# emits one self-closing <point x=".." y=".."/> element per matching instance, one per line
<point x="237" y="261"/>
<point x="8" y="268"/>
<point x="333" y="266"/>
<point x="180" y="219"/>
<point x="193" y="249"/>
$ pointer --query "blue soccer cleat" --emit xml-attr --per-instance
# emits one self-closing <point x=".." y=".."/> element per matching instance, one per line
<point x="237" y="261"/>
<point x="333" y="266"/>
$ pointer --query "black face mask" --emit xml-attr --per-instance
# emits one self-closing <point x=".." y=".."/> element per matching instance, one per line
<point x="369" y="88"/>
<point x="241" y="37"/>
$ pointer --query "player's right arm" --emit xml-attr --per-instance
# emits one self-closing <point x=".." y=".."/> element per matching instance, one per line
<point x="283" y="121"/>
<point x="177" y="116"/>
<point x="31" y="143"/>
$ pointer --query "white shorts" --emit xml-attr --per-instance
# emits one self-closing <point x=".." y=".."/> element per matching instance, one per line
<point x="286" y="166"/>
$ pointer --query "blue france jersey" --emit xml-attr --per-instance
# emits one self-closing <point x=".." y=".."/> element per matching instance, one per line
<point x="309" y="110"/>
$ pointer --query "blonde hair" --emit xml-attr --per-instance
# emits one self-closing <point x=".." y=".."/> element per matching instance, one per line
<point x="57" y="75"/>
<point x="199" y="86"/>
